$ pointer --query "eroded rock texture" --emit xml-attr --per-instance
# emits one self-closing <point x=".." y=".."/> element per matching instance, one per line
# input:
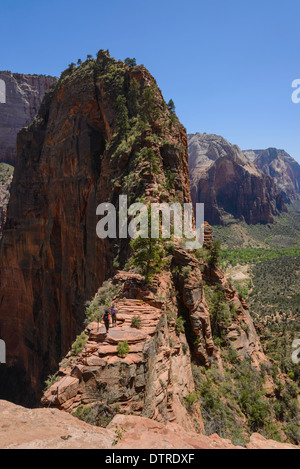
<point x="23" y="96"/>
<point x="229" y="184"/>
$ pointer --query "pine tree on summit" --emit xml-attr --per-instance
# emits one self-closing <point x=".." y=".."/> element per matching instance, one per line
<point x="130" y="62"/>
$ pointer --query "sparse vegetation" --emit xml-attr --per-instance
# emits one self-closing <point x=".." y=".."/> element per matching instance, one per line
<point x="102" y="301"/>
<point x="180" y="325"/>
<point x="79" y="344"/>
<point x="136" y="322"/>
<point x="119" y="434"/>
<point x="52" y="379"/>
<point x="6" y="171"/>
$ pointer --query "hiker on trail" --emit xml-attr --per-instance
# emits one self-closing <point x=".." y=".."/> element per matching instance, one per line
<point x="114" y="310"/>
<point x="106" y="318"/>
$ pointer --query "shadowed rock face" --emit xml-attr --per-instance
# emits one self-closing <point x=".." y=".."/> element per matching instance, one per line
<point x="229" y="183"/>
<point x="23" y="96"/>
<point x="51" y="260"/>
<point x="281" y="167"/>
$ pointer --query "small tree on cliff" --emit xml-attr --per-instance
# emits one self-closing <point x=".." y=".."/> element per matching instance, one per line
<point x="130" y="62"/>
<point x="171" y="106"/>
<point x="148" y="254"/>
<point x="133" y="98"/>
<point x="122" y="112"/>
<point x="214" y="257"/>
<point x="149" y="109"/>
<point x="71" y="66"/>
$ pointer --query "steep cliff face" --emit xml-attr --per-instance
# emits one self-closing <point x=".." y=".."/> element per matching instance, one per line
<point x="6" y="173"/>
<point x="228" y="183"/>
<point x="23" y="95"/>
<point x="281" y="167"/>
<point x="73" y="157"/>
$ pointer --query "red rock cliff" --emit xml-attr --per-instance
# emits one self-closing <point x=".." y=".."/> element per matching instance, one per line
<point x="229" y="184"/>
<point x="70" y="160"/>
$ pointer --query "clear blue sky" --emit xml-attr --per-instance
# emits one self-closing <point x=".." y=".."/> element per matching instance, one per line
<point x="227" y="64"/>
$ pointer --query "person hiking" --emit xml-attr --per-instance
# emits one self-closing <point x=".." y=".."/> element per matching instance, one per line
<point x="106" y="318"/>
<point x="114" y="311"/>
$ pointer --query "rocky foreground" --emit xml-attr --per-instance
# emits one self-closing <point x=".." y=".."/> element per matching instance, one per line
<point x="22" y="428"/>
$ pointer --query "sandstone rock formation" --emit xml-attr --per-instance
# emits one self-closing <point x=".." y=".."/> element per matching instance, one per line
<point x="154" y="377"/>
<point x="52" y="429"/>
<point x="229" y="184"/>
<point x="24" y="94"/>
<point x="71" y="159"/>
<point x="280" y="166"/>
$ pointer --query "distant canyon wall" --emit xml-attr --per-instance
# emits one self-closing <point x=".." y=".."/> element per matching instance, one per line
<point x="20" y="99"/>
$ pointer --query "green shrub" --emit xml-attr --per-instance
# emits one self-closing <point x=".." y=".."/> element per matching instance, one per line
<point x="52" y="379"/>
<point x="136" y="322"/>
<point x="293" y="432"/>
<point x="123" y="348"/>
<point x="191" y="399"/>
<point x="79" y="344"/>
<point x="179" y="325"/>
<point x="186" y="271"/>
<point x="232" y="355"/>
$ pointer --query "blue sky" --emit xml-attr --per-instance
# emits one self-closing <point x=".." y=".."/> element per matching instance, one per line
<point x="228" y="65"/>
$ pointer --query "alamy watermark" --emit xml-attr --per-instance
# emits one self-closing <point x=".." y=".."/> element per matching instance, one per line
<point x="296" y="92"/>
<point x="153" y="220"/>
<point x="2" y="92"/>
<point x="2" y="351"/>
